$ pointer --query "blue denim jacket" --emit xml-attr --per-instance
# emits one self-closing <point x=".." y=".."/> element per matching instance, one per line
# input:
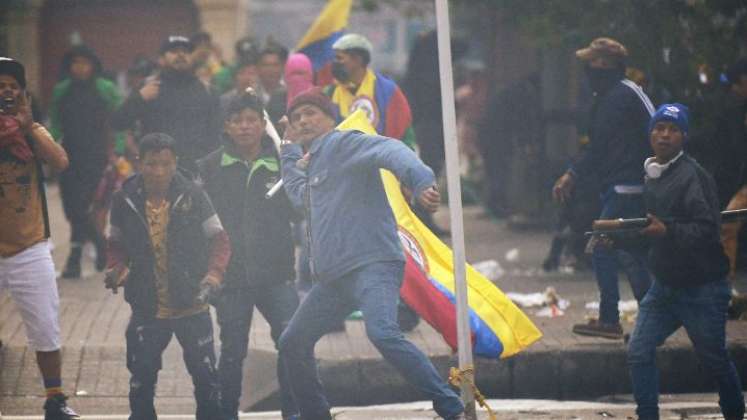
<point x="350" y="221"/>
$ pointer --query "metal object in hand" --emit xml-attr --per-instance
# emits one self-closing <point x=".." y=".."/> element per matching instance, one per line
<point x="275" y="188"/>
<point x="203" y="297"/>
<point x="619" y="226"/>
<point x="729" y="216"/>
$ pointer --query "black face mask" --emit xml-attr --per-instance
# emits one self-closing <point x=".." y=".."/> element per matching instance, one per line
<point x="340" y="72"/>
<point x="178" y="76"/>
<point x="602" y="80"/>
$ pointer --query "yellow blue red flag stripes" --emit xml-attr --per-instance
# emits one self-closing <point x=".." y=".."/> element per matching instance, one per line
<point x="499" y="328"/>
<point x="326" y="29"/>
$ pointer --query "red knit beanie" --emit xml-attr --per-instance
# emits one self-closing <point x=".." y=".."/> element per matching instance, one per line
<point x="313" y="96"/>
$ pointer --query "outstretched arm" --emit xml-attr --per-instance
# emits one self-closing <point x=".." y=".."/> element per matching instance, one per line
<point x="385" y="153"/>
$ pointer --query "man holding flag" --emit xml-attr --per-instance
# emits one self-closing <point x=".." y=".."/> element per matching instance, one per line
<point x="317" y="43"/>
<point x="356" y="257"/>
<point x="359" y="87"/>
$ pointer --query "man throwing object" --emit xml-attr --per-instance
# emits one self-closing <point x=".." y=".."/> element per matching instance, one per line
<point x="357" y="261"/>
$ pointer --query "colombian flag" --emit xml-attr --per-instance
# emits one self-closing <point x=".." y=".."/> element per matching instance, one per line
<point x="326" y="29"/>
<point x="499" y="328"/>
<point x="383" y="102"/>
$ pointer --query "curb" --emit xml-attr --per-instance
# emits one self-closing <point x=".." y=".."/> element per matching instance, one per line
<point x="574" y="374"/>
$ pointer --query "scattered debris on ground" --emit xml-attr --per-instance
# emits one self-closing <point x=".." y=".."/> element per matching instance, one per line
<point x="628" y="309"/>
<point x="491" y="269"/>
<point x="550" y="303"/>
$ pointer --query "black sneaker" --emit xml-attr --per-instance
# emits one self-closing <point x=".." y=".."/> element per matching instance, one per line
<point x="72" y="266"/>
<point x="71" y="271"/>
<point x="56" y="409"/>
<point x="594" y="328"/>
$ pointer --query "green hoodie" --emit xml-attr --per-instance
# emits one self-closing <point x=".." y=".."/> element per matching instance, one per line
<point x="106" y="89"/>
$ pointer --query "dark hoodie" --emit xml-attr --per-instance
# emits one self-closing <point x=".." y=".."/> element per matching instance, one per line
<point x="685" y="198"/>
<point x="617" y="131"/>
<point x="195" y="240"/>
<point x="185" y="109"/>
<point x="80" y="111"/>
<point x="80" y="51"/>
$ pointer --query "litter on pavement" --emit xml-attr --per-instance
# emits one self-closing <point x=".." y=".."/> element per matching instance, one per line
<point x="550" y="303"/>
<point x="491" y="269"/>
<point x="628" y="309"/>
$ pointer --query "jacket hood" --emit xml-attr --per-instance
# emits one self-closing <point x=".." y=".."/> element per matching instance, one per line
<point x="80" y="51"/>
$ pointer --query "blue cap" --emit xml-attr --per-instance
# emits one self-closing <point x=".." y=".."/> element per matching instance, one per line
<point x="677" y="113"/>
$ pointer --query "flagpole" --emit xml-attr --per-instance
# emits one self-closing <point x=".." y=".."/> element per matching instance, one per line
<point x="455" y="205"/>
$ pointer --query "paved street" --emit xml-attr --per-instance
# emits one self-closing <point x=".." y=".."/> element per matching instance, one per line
<point x="560" y="366"/>
<point x="672" y="408"/>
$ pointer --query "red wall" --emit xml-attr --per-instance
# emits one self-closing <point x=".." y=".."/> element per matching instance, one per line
<point x="116" y="30"/>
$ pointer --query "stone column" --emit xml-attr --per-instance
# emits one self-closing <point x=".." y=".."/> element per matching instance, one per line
<point x="225" y="20"/>
<point x="24" y="40"/>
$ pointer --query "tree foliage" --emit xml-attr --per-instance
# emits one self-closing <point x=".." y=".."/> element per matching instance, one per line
<point x="672" y="41"/>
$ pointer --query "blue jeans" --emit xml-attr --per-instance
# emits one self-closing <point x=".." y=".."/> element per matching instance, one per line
<point x="277" y="302"/>
<point x="374" y="289"/>
<point x="702" y="311"/>
<point x="608" y="261"/>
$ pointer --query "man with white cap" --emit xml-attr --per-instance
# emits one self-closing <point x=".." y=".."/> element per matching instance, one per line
<point x="359" y="87"/>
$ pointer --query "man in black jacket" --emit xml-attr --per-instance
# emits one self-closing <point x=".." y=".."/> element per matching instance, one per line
<point x="617" y="133"/>
<point x="689" y="265"/>
<point x="260" y="273"/>
<point x="168" y="248"/>
<point x="175" y="102"/>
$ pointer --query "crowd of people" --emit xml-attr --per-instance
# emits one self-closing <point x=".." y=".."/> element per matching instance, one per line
<point x="180" y="169"/>
<point x="677" y="265"/>
<point x="178" y="172"/>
